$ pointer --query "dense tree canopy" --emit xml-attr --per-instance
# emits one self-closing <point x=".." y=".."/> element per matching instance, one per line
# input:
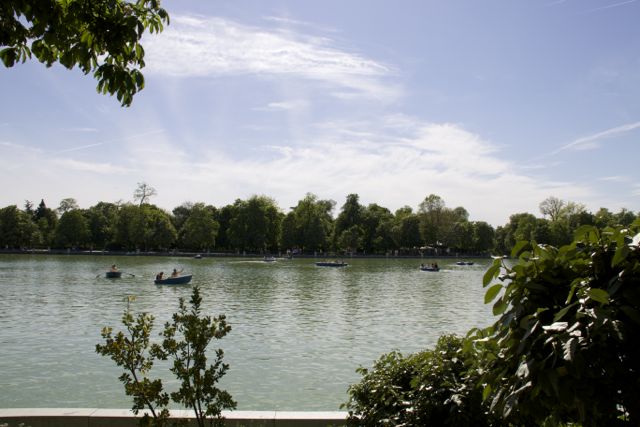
<point x="258" y="225"/>
<point x="98" y="36"/>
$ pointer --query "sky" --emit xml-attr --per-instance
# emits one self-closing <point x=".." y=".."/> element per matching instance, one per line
<point x="492" y="105"/>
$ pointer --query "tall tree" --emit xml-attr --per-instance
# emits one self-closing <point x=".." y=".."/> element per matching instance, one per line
<point x="308" y="226"/>
<point x="143" y="193"/>
<point x="99" y="36"/>
<point x="255" y="224"/>
<point x="67" y="204"/>
<point x="17" y="229"/>
<point x="72" y="230"/>
<point x="200" y="229"/>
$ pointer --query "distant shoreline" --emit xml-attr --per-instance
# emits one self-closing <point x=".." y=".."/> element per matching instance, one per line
<point x="227" y="254"/>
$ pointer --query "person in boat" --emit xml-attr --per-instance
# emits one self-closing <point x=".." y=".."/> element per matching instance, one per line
<point x="176" y="273"/>
<point x="422" y="265"/>
<point x="435" y="265"/>
<point x="160" y="275"/>
<point x="114" y="268"/>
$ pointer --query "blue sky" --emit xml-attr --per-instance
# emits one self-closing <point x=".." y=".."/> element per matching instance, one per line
<point x="493" y="105"/>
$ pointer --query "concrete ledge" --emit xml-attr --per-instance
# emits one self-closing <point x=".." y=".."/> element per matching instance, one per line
<point x="93" y="417"/>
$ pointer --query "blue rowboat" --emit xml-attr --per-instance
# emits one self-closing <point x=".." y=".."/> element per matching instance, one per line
<point x="429" y="269"/>
<point x="331" y="264"/>
<point x="113" y="274"/>
<point x="180" y="280"/>
<point x="464" y="263"/>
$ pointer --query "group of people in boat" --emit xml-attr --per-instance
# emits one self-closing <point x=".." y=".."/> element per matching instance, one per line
<point x="174" y="273"/>
<point x="433" y="266"/>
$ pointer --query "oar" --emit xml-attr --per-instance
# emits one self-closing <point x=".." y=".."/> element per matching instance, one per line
<point x="132" y="275"/>
<point x="100" y="274"/>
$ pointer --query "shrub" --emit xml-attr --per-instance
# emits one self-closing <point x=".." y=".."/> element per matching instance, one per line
<point x="568" y="330"/>
<point x="433" y="387"/>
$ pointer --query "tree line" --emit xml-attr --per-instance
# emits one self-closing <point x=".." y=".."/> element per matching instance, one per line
<point x="258" y="225"/>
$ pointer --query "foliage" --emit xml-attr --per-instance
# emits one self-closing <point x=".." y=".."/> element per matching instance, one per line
<point x="434" y="387"/>
<point x="309" y="224"/>
<point x="99" y="36"/>
<point x="72" y="229"/>
<point x="568" y="329"/>
<point x="186" y="340"/>
<point x="200" y="228"/>
<point x="255" y="224"/>
<point x="132" y="353"/>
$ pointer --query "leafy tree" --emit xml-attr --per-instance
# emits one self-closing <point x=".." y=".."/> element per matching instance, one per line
<point x="143" y="193"/>
<point x="200" y="229"/>
<point x="408" y="235"/>
<point x="99" y="36"/>
<point x="101" y="220"/>
<point x="185" y="341"/>
<point x="568" y="329"/>
<point x="132" y="351"/>
<point x="72" y="230"/>
<point x="552" y="207"/>
<point x="351" y="239"/>
<point x="255" y="224"/>
<point x="483" y="237"/>
<point x="351" y="214"/>
<point x="373" y="239"/>
<point x="159" y="230"/>
<point x="308" y="225"/>
<point x="180" y="214"/>
<point x="46" y="220"/>
<point x="67" y="204"/>
<point x="17" y="229"/>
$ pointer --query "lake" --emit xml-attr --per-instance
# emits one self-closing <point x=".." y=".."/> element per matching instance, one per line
<point x="298" y="331"/>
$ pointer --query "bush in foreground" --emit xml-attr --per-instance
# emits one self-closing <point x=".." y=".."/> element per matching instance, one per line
<point x="432" y="387"/>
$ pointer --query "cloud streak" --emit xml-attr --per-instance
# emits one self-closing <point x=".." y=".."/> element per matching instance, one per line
<point x="592" y="141"/>
<point x="214" y="47"/>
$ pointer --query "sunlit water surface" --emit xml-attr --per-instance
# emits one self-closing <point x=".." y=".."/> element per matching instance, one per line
<point x="298" y="331"/>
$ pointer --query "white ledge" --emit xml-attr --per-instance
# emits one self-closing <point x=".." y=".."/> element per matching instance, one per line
<point x="95" y="417"/>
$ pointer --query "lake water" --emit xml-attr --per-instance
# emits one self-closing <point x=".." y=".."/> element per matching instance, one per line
<point x="298" y="331"/>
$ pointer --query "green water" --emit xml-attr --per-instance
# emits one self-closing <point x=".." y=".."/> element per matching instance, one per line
<point x="298" y="331"/>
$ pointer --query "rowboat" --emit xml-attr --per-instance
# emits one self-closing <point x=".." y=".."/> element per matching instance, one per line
<point x="331" y="264"/>
<point x="180" y="280"/>
<point x="113" y="274"/>
<point x="269" y="259"/>
<point x="429" y="269"/>
<point x="464" y="263"/>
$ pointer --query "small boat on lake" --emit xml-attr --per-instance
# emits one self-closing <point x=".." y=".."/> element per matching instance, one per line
<point x="197" y="256"/>
<point x="331" y="264"/>
<point x="432" y="267"/>
<point x="464" y="263"/>
<point x="180" y="280"/>
<point x="269" y="259"/>
<point x="113" y="274"/>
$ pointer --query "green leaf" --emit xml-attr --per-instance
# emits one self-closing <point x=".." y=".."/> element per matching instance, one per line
<point x="491" y="293"/>
<point x="491" y="273"/>
<point x="599" y="295"/>
<point x="499" y="307"/>
<point x="621" y="254"/>
<point x="519" y="246"/>
<point x="559" y="315"/>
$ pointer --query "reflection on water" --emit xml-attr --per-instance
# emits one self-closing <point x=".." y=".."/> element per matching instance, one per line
<point x="298" y="331"/>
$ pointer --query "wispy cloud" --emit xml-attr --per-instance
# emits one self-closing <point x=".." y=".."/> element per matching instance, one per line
<point x="592" y="141"/>
<point x="610" y="6"/>
<point x="284" y="105"/>
<point x="81" y="147"/>
<point x="201" y="47"/>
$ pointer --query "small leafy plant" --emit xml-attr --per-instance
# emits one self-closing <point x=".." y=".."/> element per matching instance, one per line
<point x="132" y="352"/>
<point x="185" y="341"/>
